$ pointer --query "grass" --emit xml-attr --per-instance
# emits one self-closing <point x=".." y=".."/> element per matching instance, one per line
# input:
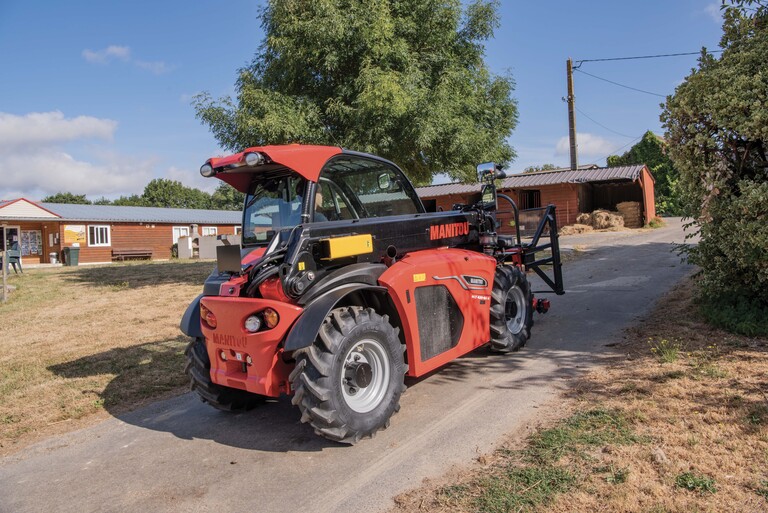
<point x="675" y="425"/>
<point x="79" y="341"/>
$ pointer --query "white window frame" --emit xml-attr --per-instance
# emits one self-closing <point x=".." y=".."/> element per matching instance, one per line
<point x="209" y="230"/>
<point x="96" y="228"/>
<point x="238" y="230"/>
<point x="179" y="228"/>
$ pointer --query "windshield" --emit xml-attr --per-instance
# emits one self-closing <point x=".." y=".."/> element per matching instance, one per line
<point x="273" y="204"/>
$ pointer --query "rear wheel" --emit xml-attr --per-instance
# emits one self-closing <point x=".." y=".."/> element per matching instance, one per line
<point x="198" y="368"/>
<point x="511" y="310"/>
<point x="348" y="383"/>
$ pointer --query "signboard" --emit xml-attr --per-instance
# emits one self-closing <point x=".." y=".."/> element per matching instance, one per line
<point x="74" y="233"/>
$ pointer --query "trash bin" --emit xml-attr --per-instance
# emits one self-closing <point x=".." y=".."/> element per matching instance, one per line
<point x="53" y="257"/>
<point x="71" y="255"/>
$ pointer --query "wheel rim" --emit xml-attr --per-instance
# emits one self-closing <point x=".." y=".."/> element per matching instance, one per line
<point x="365" y="375"/>
<point x="514" y="310"/>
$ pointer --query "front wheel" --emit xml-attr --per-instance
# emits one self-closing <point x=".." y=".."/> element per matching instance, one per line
<point x="511" y="310"/>
<point x="348" y="383"/>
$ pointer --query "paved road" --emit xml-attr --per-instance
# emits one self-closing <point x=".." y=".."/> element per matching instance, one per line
<point x="180" y="455"/>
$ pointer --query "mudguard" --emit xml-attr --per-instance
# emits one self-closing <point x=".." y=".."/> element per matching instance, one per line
<point x="190" y="321"/>
<point x="304" y="331"/>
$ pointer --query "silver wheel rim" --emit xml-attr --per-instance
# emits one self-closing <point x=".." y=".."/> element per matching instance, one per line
<point x="514" y="310"/>
<point x="372" y="353"/>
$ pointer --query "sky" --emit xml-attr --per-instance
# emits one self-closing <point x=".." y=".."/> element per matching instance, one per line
<point x="95" y="96"/>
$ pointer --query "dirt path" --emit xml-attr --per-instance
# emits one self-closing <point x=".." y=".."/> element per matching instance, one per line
<point x="180" y="455"/>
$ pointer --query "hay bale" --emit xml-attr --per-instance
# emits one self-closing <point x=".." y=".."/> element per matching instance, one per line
<point x="583" y="219"/>
<point x="575" y="229"/>
<point x="632" y="213"/>
<point x="602" y="219"/>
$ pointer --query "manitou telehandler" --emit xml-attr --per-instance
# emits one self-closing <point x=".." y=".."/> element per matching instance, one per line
<point x="343" y="285"/>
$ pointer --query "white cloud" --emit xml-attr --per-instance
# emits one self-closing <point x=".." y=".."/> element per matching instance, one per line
<point x="49" y="171"/>
<point x="44" y="128"/>
<point x="108" y="54"/>
<point x="589" y="145"/>
<point x="123" y="53"/>
<point x="33" y="164"/>
<point x="713" y="11"/>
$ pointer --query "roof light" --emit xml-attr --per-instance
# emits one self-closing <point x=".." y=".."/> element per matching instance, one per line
<point x="207" y="170"/>
<point x="254" y="159"/>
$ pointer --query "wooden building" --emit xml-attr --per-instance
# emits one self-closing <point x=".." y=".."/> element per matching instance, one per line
<point x="573" y="192"/>
<point x="104" y="232"/>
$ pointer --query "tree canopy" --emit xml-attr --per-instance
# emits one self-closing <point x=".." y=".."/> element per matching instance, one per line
<point x="537" y="168"/>
<point x="404" y="79"/>
<point x="652" y="151"/>
<point x="67" y="197"/>
<point x="717" y="130"/>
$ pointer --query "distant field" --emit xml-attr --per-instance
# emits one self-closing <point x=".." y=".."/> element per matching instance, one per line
<point x="78" y="341"/>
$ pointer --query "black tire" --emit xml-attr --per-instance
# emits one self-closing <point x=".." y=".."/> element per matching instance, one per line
<point x="198" y="368"/>
<point x="338" y="396"/>
<point x="511" y="310"/>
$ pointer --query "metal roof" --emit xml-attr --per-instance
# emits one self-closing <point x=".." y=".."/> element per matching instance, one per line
<point x="111" y="213"/>
<point x="556" y="176"/>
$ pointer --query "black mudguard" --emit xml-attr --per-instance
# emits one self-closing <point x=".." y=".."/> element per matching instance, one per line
<point x="305" y="329"/>
<point x="190" y="321"/>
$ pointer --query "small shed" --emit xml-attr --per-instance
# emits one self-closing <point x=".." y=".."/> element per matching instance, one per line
<point x="573" y="192"/>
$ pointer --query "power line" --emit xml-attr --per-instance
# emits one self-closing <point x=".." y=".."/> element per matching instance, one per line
<point x="617" y="150"/>
<point x="620" y="85"/>
<point x="602" y="125"/>
<point x="578" y="63"/>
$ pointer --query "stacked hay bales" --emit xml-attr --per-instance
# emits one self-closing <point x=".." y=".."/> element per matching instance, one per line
<point x="598" y="220"/>
<point x="632" y="214"/>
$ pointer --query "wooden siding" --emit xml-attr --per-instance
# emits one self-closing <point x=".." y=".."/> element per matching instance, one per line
<point x="649" y="195"/>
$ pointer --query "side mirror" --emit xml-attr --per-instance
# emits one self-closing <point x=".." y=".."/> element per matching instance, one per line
<point x="384" y="181"/>
<point x="489" y="171"/>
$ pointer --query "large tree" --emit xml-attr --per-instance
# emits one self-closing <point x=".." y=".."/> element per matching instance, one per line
<point x="652" y="151"/>
<point x="405" y="79"/>
<point x="162" y="192"/>
<point x="717" y="130"/>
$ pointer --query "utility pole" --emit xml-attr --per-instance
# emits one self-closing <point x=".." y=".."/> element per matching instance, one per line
<point x="5" y="266"/>
<point x="572" y="117"/>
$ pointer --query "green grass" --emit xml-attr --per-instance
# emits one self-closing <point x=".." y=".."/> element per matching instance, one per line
<point x="667" y="351"/>
<point x="695" y="483"/>
<point x="532" y="477"/>
<point x="736" y="314"/>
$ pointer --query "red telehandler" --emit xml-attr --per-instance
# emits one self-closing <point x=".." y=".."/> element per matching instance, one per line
<point x="343" y="285"/>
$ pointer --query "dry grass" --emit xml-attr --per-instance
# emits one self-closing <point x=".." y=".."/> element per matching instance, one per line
<point x="691" y="406"/>
<point x="78" y="341"/>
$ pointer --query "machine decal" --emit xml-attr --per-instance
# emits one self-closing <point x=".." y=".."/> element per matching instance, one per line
<point x="229" y="340"/>
<point x="419" y="277"/>
<point x="445" y="231"/>
<point x="475" y="281"/>
<point x="477" y="284"/>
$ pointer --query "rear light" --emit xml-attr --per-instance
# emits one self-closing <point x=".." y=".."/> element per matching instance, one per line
<point x="207" y="317"/>
<point x="270" y="318"/>
<point x="253" y="323"/>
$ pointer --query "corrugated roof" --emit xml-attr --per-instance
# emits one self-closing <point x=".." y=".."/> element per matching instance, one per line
<point x="555" y="176"/>
<point x="111" y="213"/>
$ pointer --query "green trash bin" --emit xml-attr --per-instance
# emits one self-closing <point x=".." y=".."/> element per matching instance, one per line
<point x="71" y="256"/>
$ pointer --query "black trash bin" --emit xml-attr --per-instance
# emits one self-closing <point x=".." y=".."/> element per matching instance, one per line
<point x="71" y="256"/>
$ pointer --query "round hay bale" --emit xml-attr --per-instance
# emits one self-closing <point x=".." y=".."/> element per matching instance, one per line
<point x="602" y="219"/>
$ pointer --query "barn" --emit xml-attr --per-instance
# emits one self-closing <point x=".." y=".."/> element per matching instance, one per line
<point x="572" y="191"/>
<point x="104" y="232"/>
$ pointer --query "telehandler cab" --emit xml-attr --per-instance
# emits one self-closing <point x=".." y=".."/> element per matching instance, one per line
<point x="343" y="285"/>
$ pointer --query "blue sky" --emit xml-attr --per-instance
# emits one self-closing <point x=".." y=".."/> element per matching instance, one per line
<point x="95" y="96"/>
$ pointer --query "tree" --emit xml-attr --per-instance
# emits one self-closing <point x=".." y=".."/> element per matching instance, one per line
<point x="226" y="197"/>
<point x="652" y="151"/>
<point x="717" y="130"/>
<point x="404" y="79"/>
<point x="161" y="192"/>
<point x="536" y="169"/>
<point x="134" y="200"/>
<point x="67" y="197"/>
